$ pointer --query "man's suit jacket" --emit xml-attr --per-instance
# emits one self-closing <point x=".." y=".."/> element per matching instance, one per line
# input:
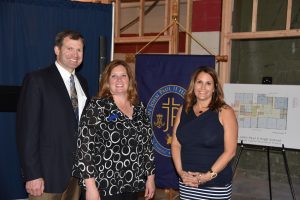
<point x="47" y="128"/>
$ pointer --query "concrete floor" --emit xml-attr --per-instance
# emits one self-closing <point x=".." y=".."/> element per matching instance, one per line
<point x="245" y="188"/>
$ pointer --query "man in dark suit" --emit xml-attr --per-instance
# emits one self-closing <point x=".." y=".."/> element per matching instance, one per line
<point x="49" y="109"/>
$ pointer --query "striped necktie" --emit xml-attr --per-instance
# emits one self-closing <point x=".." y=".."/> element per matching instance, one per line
<point x="74" y="97"/>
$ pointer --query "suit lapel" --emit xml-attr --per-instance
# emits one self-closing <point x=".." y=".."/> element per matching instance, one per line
<point x="58" y="83"/>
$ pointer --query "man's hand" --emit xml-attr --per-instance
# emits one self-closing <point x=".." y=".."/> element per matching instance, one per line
<point x="35" y="187"/>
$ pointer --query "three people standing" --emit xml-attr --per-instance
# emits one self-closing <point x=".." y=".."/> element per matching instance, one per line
<point x="114" y="156"/>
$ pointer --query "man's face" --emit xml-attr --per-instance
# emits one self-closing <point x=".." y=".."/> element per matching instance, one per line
<point x="70" y="55"/>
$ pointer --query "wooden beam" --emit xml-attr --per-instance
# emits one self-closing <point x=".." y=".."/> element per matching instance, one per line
<point x="167" y="18"/>
<point x="225" y="47"/>
<point x="117" y="16"/>
<point x="142" y="39"/>
<point x="189" y="10"/>
<point x="141" y="17"/>
<point x="264" y="34"/>
<point x="174" y="28"/>
<point x="289" y="15"/>
<point x="254" y="15"/>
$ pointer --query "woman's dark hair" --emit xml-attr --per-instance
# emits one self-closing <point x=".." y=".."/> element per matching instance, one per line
<point x="217" y="100"/>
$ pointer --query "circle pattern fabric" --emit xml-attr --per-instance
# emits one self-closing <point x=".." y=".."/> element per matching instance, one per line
<point x="115" y="150"/>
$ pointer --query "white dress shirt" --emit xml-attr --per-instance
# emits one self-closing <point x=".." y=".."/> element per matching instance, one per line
<point x="80" y="93"/>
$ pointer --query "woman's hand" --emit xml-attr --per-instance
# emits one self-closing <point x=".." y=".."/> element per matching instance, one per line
<point x="92" y="192"/>
<point x="203" y="178"/>
<point x="150" y="187"/>
<point x="189" y="178"/>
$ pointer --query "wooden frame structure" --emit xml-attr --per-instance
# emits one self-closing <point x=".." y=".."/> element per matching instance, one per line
<point x="169" y="33"/>
<point x="227" y="35"/>
<point x="141" y="38"/>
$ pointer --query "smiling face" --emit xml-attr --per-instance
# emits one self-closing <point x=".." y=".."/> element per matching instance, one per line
<point x="70" y="54"/>
<point x="204" y="87"/>
<point x="118" y="81"/>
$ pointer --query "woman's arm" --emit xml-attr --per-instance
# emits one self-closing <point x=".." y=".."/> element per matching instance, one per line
<point x="148" y="146"/>
<point x="188" y="178"/>
<point x="84" y="166"/>
<point x="150" y="187"/>
<point x="229" y="122"/>
<point x="176" y="146"/>
<point x="92" y="192"/>
<point x="149" y="157"/>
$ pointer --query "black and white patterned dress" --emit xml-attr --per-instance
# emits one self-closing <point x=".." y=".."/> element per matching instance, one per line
<point x="113" y="149"/>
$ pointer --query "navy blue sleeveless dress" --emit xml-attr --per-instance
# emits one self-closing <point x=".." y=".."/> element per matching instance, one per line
<point x="202" y="142"/>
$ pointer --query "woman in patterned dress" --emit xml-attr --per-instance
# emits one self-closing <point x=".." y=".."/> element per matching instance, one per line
<point x="204" y="140"/>
<point x="114" y="158"/>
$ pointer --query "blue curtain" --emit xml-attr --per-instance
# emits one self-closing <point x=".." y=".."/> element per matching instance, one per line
<point x="27" y="32"/>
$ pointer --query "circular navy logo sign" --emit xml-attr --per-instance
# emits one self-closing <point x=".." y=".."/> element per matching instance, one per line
<point x="162" y="109"/>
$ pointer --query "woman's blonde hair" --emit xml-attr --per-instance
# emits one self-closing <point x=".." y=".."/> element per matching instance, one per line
<point x="104" y="90"/>
<point x="217" y="100"/>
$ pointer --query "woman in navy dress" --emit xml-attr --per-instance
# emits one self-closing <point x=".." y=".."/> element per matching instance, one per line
<point x="204" y="140"/>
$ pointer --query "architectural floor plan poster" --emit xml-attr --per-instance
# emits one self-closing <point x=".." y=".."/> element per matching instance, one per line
<point x="268" y="115"/>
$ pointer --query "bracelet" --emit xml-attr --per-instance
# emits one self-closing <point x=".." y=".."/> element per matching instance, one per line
<point x="213" y="174"/>
<point x="199" y="178"/>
